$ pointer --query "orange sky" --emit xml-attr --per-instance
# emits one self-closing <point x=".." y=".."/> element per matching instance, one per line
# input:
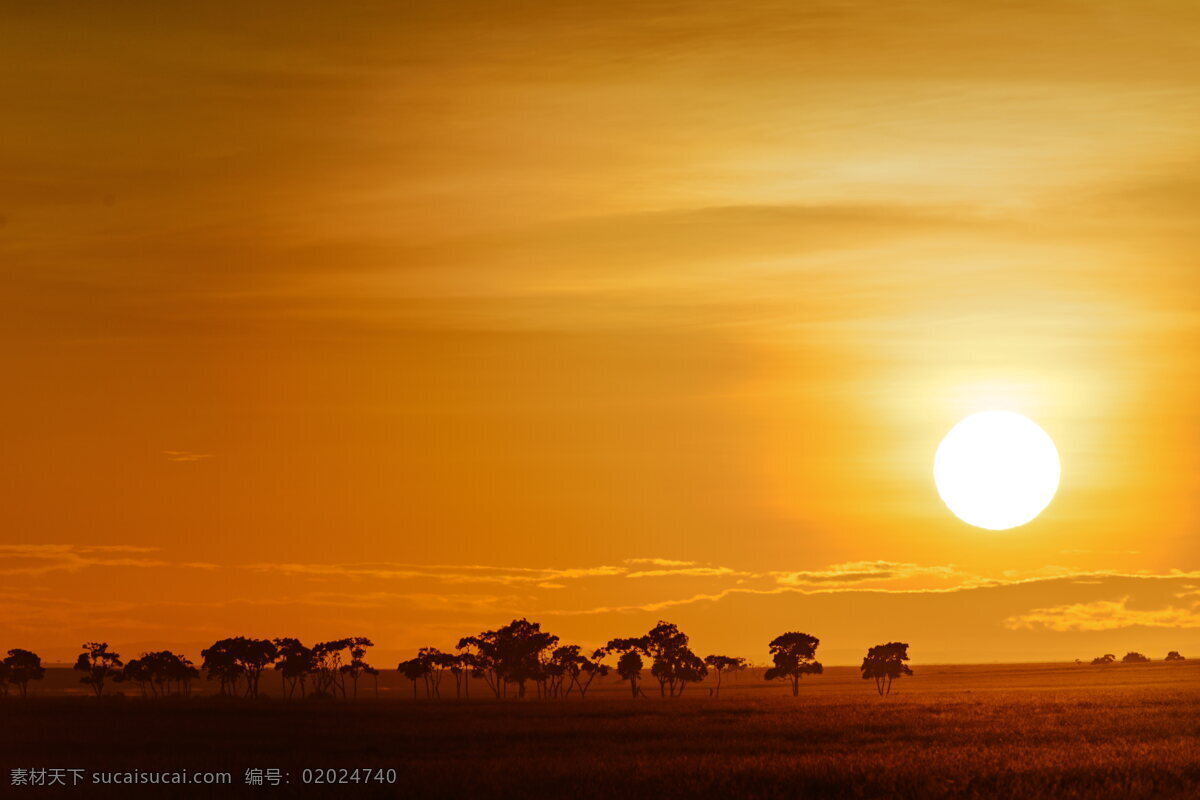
<point x="406" y="320"/>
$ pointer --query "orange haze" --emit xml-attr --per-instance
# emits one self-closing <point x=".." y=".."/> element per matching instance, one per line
<point x="408" y="318"/>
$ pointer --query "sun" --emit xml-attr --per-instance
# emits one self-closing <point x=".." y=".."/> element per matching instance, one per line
<point x="996" y="470"/>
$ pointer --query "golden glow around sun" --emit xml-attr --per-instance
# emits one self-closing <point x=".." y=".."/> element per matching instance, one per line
<point x="996" y="470"/>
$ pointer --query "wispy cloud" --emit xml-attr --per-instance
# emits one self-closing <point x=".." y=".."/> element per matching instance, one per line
<point x="860" y="583"/>
<point x="855" y="576"/>
<point x="863" y="571"/>
<point x="1103" y="615"/>
<point x="186" y="455"/>
<point x="469" y="573"/>
<point x="693" y="572"/>
<point x="545" y="578"/>
<point x="658" y="562"/>
<point x="39" y="559"/>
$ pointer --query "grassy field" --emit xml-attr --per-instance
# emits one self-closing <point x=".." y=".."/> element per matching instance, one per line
<point x="949" y="731"/>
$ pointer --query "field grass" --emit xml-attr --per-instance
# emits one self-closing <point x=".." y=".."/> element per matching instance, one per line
<point x="952" y="731"/>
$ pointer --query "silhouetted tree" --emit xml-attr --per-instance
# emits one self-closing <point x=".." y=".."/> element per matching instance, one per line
<point x="884" y="663"/>
<point x="522" y="644"/>
<point x="674" y="665"/>
<point x="221" y="661"/>
<point x="512" y="654"/>
<point x="1134" y="658"/>
<point x="1171" y="656"/>
<point x="561" y="668"/>
<point x="358" y="665"/>
<point x="665" y="644"/>
<point x="629" y="667"/>
<point x="239" y="657"/>
<point x="1107" y="658"/>
<point x="794" y="655"/>
<point x="135" y="671"/>
<point x="98" y="664"/>
<point x="687" y="668"/>
<point x="294" y="663"/>
<point x="19" y="668"/>
<point x="592" y="667"/>
<point x="174" y="669"/>
<point x="721" y="665"/>
<point x="328" y="677"/>
<point x="437" y="663"/>
<point x="481" y="653"/>
<point x="460" y="668"/>
<point x="255" y="655"/>
<point x="158" y="672"/>
<point x="414" y="669"/>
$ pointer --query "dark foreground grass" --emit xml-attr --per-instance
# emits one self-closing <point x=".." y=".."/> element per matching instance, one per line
<point x="1008" y="732"/>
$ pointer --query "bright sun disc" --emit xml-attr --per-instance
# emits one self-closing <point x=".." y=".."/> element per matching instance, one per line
<point x="996" y="470"/>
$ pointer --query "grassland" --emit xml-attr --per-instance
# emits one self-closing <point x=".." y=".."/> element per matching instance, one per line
<point x="1058" y="731"/>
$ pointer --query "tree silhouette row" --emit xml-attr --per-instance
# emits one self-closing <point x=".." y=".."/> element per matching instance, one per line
<point x="508" y="661"/>
<point x="516" y="660"/>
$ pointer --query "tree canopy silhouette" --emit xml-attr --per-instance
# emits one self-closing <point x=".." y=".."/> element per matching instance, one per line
<point x="568" y="669"/>
<point x="1107" y="658"/>
<point x="721" y="665"/>
<point x="158" y="673"/>
<point x="1174" y="656"/>
<point x="358" y="665"/>
<point x="415" y="669"/>
<point x="673" y="663"/>
<point x="98" y="664"/>
<point x="1134" y="658"/>
<point x="629" y="665"/>
<point x="18" y="669"/>
<point x="294" y="663"/>
<point x="220" y="662"/>
<point x="239" y="658"/>
<point x="329" y="678"/>
<point x="794" y="655"/>
<point x="593" y="667"/>
<point x="510" y="655"/>
<point x="436" y="664"/>
<point x="884" y="663"/>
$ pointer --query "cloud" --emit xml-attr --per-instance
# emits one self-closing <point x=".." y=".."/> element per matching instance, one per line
<point x="862" y="571"/>
<point x="695" y="572"/>
<point x="545" y="578"/>
<point x="76" y="548"/>
<point x="877" y="576"/>
<point x="40" y="559"/>
<point x="856" y="578"/>
<point x="659" y="562"/>
<point x="1103" y="615"/>
<point x="468" y="573"/>
<point x="186" y="455"/>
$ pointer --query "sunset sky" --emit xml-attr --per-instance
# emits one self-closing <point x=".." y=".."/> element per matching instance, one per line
<point x="405" y="319"/>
